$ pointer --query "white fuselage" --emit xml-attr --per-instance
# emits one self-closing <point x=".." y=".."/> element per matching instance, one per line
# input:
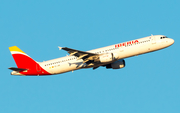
<point x="121" y="51"/>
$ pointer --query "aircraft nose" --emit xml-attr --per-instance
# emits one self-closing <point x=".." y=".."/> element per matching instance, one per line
<point x="171" y="41"/>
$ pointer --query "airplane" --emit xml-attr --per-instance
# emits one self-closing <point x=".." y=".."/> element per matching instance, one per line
<point x="111" y="57"/>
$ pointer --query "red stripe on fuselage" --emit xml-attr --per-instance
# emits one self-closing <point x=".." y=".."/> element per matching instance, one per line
<point x="25" y="62"/>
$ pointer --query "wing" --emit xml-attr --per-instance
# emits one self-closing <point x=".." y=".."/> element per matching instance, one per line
<point x="86" y="56"/>
<point x="17" y="69"/>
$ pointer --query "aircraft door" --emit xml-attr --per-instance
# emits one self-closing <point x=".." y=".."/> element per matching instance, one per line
<point x="38" y="68"/>
<point x="121" y="49"/>
<point x="153" y="40"/>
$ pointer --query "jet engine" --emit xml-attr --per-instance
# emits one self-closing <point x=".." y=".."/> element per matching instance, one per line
<point x="116" y="65"/>
<point x="106" y="58"/>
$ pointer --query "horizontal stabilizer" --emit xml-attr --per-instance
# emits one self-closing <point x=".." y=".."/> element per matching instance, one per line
<point x="17" y="69"/>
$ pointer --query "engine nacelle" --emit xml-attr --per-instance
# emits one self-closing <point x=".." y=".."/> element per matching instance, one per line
<point x="116" y="65"/>
<point x="106" y="58"/>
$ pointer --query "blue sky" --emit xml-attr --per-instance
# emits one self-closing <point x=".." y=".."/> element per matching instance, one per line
<point x="149" y="83"/>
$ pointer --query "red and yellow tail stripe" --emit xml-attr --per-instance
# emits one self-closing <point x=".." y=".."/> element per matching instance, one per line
<point x="26" y="62"/>
<point x="15" y="49"/>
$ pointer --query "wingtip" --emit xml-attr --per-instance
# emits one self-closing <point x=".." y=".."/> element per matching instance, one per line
<point x="59" y="48"/>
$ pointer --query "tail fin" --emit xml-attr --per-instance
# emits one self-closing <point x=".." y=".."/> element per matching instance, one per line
<point x="21" y="58"/>
<point x="26" y="65"/>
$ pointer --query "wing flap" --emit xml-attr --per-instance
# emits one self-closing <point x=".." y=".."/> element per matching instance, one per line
<point x="74" y="51"/>
<point x="86" y="56"/>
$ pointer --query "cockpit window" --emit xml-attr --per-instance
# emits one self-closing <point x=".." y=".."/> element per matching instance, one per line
<point x="164" y="37"/>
